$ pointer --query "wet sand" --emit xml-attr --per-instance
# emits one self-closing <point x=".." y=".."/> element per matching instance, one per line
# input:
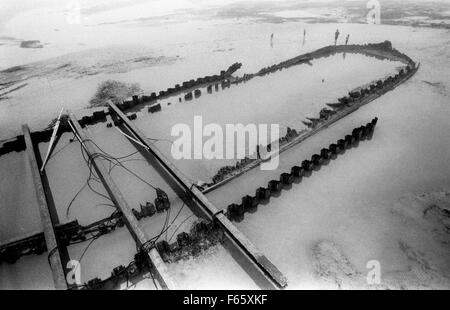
<point x="367" y="202"/>
<point x="352" y="200"/>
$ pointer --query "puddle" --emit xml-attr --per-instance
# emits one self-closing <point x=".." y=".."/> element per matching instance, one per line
<point x="286" y="98"/>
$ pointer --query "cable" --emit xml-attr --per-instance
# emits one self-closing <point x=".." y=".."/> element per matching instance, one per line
<point x="73" y="199"/>
<point x="61" y="149"/>
<point x="124" y="161"/>
<point x="137" y="176"/>
<point x="87" y="247"/>
<point x="90" y="177"/>
<point x="116" y="161"/>
<point x="179" y="226"/>
<point x="110" y="158"/>
<point x="50" y="253"/>
<point x="174" y="219"/>
<point x="160" y="140"/>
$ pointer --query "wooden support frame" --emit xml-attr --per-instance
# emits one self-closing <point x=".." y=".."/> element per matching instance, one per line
<point x="266" y="274"/>
<point x="139" y="235"/>
<point x="51" y="241"/>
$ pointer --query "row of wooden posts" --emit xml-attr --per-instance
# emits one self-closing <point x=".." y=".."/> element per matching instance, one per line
<point x="250" y="203"/>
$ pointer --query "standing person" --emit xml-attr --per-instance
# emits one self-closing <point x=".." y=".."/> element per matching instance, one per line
<point x="346" y="39"/>
<point x="304" y="37"/>
<point x="271" y="40"/>
<point x="336" y="36"/>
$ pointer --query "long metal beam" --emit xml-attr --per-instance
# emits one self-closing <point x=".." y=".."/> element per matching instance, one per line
<point x="269" y="275"/>
<point x="139" y="235"/>
<point x="49" y="231"/>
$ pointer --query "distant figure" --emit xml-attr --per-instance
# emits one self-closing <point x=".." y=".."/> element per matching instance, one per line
<point x="304" y="37"/>
<point x="336" y="36"/>
<point x="323" y="80"/>
<point x="346" y="39"/>
<point x="271" y="40"/>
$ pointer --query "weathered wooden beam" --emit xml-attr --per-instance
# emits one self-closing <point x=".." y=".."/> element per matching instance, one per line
<point x="274" y="278"/>
<point x="32" y="239"/>
<point x="49" y="232"/>
<point x="139" y="235"/>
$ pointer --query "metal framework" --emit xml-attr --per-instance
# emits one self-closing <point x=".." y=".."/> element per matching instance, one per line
<point x="259" y="267"/>
<point x="139" y="235"/>
<point x="48" y="224"/>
